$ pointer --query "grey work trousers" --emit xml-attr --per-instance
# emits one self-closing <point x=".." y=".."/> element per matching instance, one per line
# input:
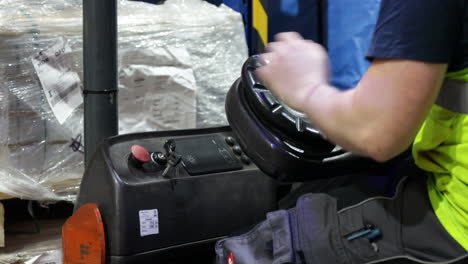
<point x="325" y="228"/>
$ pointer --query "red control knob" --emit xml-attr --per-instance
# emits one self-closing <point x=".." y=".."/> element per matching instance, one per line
<point x="140" y="154"/>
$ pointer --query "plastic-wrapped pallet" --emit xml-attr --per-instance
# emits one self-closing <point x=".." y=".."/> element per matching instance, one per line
<point x="177" y="61"/>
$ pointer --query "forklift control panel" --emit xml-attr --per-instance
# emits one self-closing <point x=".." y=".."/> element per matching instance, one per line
<point x="165" y="194"/>
<point x="198" y="155"/>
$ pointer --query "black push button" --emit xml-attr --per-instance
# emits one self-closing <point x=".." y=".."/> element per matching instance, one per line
<point x="245" y="159"/>
<point x="237" y="150"/>
<point x="230" y="141"/>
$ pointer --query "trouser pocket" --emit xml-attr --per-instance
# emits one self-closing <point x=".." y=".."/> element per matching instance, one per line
<point x="319" y="239"/>
<point x="268" y="242"/>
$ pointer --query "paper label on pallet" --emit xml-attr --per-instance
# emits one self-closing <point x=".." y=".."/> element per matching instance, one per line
<point x="149" y="222"/>
<point x="157" y="90"/>
<point x="61" y="85"/>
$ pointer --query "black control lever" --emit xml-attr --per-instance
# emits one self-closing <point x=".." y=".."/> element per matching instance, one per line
<point x="173" y="158"/>
<point x="170" y="146"/>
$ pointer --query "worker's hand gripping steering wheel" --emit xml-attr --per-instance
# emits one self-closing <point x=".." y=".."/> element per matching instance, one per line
<point x="291" y="122"/>
<point x="281" y="141"/>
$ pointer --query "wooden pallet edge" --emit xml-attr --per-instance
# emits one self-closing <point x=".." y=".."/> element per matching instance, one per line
<point x="4" y="196"/>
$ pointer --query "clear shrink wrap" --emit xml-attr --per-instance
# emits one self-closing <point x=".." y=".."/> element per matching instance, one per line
<point x="176" y="62"/>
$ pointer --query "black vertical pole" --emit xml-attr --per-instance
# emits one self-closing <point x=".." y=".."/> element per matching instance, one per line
<point x="100" y="72"/>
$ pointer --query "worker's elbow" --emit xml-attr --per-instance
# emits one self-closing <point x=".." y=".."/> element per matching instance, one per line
<point x="380" y="149"/>
<point x="379" y="154"/>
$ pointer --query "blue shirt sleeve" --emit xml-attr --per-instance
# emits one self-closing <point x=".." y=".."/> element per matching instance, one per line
<point x="421" y="30"/>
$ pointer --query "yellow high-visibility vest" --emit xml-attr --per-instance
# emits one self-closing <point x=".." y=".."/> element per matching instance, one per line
<point x="441" y="147"/>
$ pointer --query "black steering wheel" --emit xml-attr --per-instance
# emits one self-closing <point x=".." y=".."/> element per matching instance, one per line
<point x="278" y="139"/>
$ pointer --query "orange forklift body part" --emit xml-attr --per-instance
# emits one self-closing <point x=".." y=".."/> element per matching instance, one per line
<point x="83" y="237"/>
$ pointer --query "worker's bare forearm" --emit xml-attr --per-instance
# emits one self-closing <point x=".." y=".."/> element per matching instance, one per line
<point x="356" y="126"/>
<point x="381" y="116"/>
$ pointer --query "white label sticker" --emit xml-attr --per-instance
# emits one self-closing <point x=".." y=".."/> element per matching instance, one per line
<point x="149" y="222"/>
<point x="61" y="85"/>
